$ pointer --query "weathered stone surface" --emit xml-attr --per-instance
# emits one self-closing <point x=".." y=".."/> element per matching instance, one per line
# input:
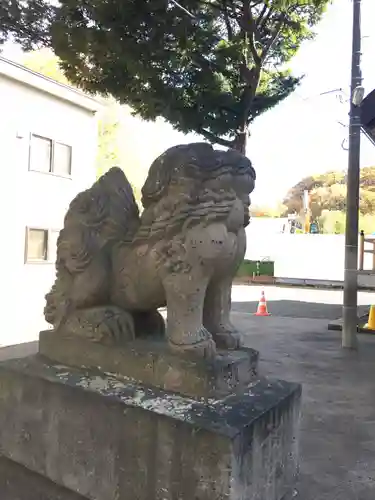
<point x="152" y="363"/>
<point x="115" y="268"/>
<point x="19" y="483"/>
<point x="108" y="439"/>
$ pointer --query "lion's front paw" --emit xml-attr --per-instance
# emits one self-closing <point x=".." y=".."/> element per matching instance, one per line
<point x="200" y="344"/>
<point x="230" y="340"/>
<point x="227" y="337"/>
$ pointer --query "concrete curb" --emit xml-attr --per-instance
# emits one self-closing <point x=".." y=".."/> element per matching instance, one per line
<point x="313" y="283"/>
<point x="298" y="283"/>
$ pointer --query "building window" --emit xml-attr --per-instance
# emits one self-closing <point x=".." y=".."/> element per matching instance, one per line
<point x="36" y="248"/>
<point x="40" y="154"/>
<point x="62" y="159"/>
<point x="41" y="245"/>
<point x="50" y="156"/>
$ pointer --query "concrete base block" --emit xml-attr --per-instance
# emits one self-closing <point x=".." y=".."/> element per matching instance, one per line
<point x="19" y="483"/>
<point x="107" y="438"/>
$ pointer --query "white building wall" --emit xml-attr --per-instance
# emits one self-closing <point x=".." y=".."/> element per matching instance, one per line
<point x="35" y="199"/>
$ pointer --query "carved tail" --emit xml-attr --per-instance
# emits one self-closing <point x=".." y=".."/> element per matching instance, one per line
<point x="97" y="219"/>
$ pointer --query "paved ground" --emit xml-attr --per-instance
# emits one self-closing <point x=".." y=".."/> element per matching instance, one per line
<point x="338" y="422"/>
<point x="338" y="419"/>
<point x="295" y="302"/>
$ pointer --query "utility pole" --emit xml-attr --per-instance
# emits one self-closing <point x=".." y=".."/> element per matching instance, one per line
<point x="349" y="330"/>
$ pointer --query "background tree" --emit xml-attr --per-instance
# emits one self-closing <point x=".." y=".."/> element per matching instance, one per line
<point x="267" y="211"/>
<point x="327" y="192"/>
<point x="211" y="73"/>
<point x="108" y="153"/>
<point x="328" y="199"/>
<point x="45" y="62"/>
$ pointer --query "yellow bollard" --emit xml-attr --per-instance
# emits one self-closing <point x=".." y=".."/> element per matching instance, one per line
<point x="370" y="325"/>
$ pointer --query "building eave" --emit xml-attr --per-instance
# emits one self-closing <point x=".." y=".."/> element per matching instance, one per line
<point x="14" y="71"/>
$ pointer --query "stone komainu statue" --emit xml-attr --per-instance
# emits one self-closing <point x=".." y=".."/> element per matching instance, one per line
<point x="115" y="268"/>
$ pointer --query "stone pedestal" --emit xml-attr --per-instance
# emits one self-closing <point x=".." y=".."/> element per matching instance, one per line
<point x="77" y="432"/>
<point x="19" y="483"/>
<point x="152" y="363"/>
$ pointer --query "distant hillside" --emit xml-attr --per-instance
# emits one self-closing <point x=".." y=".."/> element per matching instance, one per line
<point x="328" y="192"/>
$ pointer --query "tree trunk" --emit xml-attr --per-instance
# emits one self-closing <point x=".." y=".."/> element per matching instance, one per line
<point x="251" y="78"/>
<point x="240" y="142"/>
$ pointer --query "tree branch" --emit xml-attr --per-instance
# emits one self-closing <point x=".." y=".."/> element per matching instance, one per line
<point x="266" y="18"/>
<point x="217" y="7"/>
<point x="248" y="95"/>
<point x="227" y="20"/>
<point x="214" y="138"/>
<point x="248" y="25"/>
<point x="267" y="47"/>
<point x="207" y="65"/>
<point x="261" y="15"/>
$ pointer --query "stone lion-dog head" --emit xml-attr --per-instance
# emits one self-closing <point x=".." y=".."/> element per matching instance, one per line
<point x="195" y="175"/>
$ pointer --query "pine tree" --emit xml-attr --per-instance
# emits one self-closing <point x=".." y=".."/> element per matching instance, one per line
<point x="210" y="67"/>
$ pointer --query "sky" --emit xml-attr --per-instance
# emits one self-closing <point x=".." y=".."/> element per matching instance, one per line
<point x="302" y="135"/>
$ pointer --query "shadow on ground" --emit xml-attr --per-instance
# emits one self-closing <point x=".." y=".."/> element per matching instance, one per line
<point x="296" y="309"/>
<point x="337" y="445"/>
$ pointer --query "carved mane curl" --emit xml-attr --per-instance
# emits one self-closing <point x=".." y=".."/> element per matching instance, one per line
<point x="97" y="218"/>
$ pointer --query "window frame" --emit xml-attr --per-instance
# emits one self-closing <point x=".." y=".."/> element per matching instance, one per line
<point x="48" y="232"/>
<point x="37" y="136"/>
<point x="60" y="143"/>
<point x="53" y="143"/>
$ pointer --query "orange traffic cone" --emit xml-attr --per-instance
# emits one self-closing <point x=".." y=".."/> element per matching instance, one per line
<point x="262" y="306"/>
